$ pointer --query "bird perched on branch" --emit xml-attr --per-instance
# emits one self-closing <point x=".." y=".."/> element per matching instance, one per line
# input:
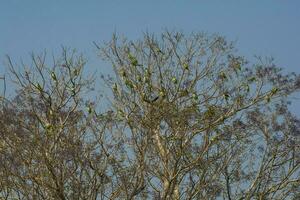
<point x="152" y="100"/>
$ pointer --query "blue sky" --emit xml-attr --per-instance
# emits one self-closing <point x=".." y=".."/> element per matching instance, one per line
<point x="261" y="27"/>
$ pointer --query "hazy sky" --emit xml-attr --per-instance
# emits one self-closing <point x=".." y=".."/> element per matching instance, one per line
<point x="261" y="27"/>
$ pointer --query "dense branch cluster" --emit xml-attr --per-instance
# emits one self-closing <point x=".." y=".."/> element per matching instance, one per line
<point x="187" y="118"/>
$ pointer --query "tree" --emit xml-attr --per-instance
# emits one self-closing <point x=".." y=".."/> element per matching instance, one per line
<point x="187" y="118"/>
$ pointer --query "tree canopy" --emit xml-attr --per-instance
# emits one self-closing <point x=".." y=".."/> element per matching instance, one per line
<point x="186" y="117"/>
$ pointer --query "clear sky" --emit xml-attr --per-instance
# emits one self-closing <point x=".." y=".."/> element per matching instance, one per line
<point x="261" y="27"/>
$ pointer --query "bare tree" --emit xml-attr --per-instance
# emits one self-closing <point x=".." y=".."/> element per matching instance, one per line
<point x="49" y="147"/>
<point x="188" y="118"/>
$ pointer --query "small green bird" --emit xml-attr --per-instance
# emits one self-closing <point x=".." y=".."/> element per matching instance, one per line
<point x="147" y="73"/>
<point x="185" y="66"/>
<point x="223" y="75"/>
<point x="76" y="72"/>
<point x="247" y="87"/>
<point x="53" y="76"/>
<point x="129" y="84"/>
<point x="115" y="87"/>
<point x="274" y="91"/>
<point x="174" y="80"/>
<point x="162" y="93"/>
<point x="268" y="98"/>
<point x="226" y="96"/>
<point x="195" y="96"/>
<point x="238" y="67"/>
<point x="123" y="73"/>
<point x="39" y="87"/>
<point x="48" y="126"/>
<point x="251" y="79"/>
<point x="89" y="109"/>
<point x="139" y="78"/>
<point x="154" y="99"/>
<point x="150" y="100"/>
<point x="133" y="60"/>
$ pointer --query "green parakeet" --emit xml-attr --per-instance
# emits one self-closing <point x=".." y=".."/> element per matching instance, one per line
<point x="53" y="76"/>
